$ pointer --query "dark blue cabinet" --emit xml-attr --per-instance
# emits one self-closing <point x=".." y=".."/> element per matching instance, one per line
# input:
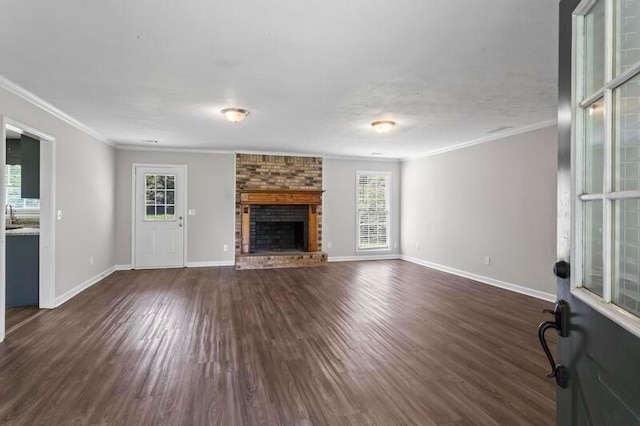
<point x="23" y="270"/>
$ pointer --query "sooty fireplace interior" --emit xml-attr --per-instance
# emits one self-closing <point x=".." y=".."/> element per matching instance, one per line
<point x="279" y="228"/>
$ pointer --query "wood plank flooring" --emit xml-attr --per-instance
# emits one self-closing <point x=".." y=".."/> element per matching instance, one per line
<point x="17" y="316"/>
<point x="354" y="343"/>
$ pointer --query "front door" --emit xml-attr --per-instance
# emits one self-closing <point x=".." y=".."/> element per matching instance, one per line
<point x="599" y="212"/>
<point x="159" y="213"/>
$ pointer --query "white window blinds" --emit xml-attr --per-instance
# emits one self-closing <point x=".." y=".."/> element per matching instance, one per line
<point x="373" y="210"/>
<point x="12" y="178"/>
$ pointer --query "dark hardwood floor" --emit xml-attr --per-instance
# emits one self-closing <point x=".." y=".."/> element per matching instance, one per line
<point x="384" y="342"/>
<point x="17" y="316"/>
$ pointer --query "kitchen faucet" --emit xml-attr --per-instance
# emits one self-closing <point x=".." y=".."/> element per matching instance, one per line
<point x="9" y="208"/>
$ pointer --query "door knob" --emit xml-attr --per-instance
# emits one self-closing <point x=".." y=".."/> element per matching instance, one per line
<point x="562" y="269"/>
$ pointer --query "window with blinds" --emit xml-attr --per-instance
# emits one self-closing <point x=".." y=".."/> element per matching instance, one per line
<point x="13" y="197"/>
<point x="373" y="209"/>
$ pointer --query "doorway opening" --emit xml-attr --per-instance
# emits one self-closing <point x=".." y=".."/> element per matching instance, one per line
<point x="26" y="233"/>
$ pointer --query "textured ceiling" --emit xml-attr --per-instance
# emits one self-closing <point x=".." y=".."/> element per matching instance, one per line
<point x="313" y="73"/>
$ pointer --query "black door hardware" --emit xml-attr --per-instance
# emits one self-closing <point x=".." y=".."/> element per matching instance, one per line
<point x="560" y="313"/>
<point x="562" y="269"/>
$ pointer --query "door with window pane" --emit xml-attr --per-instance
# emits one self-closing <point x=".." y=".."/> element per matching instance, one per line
<point x="159" y="213"/>
<point x="599" y="211"/>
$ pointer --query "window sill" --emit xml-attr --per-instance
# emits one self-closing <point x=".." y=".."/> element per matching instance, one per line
<point x="369" y="250"/>
<point x="624" y="319"/>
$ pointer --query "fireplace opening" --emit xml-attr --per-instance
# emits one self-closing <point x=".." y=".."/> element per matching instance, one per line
<point x="279" y="236"/>
<point x="279" y="228"/>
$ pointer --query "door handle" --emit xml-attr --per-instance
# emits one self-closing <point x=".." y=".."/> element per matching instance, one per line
<point x="560" y="313"/>
<point x="562" y="269"/>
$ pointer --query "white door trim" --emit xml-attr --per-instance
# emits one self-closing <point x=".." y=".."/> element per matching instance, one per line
<point x="133" y="207"/>
<point x="47" y="218"/>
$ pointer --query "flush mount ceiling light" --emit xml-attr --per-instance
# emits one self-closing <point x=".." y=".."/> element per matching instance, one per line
<point x="383" y="126"/>
<point x="235" y="114"/>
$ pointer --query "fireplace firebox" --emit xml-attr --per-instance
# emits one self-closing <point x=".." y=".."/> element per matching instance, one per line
<point x="279" y="228"/>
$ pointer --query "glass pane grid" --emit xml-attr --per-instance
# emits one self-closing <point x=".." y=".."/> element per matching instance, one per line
<point x="594" y="147"/>
<point x="627" y="136"/>
<point x="627" y="255"/>
<point x="609" y="149"/>
<point x="594" y="48"/>
<point x="159" y="197"/>
<point x="593" y="250"/>
<point x="627" y="34"/>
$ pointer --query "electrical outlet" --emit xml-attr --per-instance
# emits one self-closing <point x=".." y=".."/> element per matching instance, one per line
<point x="329" y="245"/>
<point x="487" y="260"/>
<point x="225" y="248"/>
<point x="417" y="246"/>
<point x="91" y="261"/>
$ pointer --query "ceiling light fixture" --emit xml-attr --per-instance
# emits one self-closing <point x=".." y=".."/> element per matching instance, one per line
<point x="235" y="114"/>
<point x="383" y="126"/>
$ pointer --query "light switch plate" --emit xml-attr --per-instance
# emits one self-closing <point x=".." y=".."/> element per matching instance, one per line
<point x="192" y="212"/>
<point x="59" y="214"/>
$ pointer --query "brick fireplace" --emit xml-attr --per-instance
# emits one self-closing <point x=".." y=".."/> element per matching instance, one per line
<point x="278" y="211"/>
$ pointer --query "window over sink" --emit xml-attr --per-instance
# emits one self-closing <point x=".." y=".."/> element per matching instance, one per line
<point x="13" y="197"/>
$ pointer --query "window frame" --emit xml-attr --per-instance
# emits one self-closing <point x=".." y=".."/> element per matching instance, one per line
<point x="580" y="103"/>
<point x="388" y="175"/>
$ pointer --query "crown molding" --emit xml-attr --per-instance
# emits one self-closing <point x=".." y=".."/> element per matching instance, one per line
<point x="362" y="158"/>
<point x="128" y="147"/>
<point x="277" y="153"/>
<point x="497" y="136"/>
<point x="318" y="155"/>
<point x="28" y="96"/>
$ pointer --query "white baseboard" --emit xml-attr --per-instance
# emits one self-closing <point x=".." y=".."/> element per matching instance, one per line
<point x="210" y="263"/>
<point x="485" y="280"/>
<point x="204" y="264"/>
<point x="363" y="257"/>
<point x="83" y="286"/>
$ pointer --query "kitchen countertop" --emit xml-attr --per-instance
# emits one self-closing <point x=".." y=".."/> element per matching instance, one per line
<point x="22" y="231"/>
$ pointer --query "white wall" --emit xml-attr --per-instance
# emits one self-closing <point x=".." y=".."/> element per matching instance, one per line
<point x="211" y="193"/>
<point x="84" y="192"/>
<point x="339" y="206"/>
<point x="494" y="199"/>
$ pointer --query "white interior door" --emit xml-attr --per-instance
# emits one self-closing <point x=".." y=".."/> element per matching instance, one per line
<point x="159" y="214"/>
